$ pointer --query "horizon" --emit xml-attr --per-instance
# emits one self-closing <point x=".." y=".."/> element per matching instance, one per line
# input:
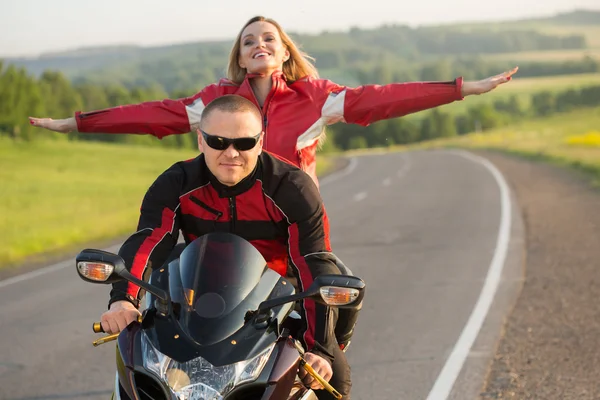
<point x="229" y="28"/>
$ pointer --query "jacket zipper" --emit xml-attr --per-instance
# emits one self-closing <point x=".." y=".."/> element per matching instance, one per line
<point x="211" y="210"/>
<point x="264" y="110"/>
<point x="268" y="102"/>
<point x="232" y="212"/>
<point x="206" y="207"/>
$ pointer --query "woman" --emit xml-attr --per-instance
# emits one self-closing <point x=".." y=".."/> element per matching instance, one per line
<point x="266" y="67"/>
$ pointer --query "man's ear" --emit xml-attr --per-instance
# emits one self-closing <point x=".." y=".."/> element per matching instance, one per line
<point x="200" y="146"/>
<point x="260" y="143"/>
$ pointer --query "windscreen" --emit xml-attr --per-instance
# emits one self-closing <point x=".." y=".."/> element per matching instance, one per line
<point x="214" y="285"/>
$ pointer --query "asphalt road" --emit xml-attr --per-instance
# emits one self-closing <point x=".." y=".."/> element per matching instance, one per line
<point x="436" y="235"/>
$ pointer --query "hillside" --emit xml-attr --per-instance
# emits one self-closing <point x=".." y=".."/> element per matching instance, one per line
<point x="381" y="55"/>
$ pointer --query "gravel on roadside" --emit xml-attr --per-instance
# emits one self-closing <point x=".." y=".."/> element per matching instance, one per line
<point x="550" y="347"/>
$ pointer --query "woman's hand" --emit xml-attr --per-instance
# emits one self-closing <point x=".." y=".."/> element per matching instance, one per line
<point x="58" y="125"/>
<point x="486" y="85"/>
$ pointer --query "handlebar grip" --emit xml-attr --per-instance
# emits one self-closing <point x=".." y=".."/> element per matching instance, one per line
<point x="97" y="327"/>
<point x="322" y="381"/>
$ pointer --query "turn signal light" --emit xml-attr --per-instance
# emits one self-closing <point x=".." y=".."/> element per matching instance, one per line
<point x="338" y="296"/>
<point x="95" y="271"/>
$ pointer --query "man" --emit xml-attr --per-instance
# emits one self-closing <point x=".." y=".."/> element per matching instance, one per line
<point x="234" y="186"/>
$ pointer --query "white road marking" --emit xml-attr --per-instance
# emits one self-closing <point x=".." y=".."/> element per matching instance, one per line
<point x="445" y="380"/>
<point x="340" y="174"/>
<point x="48" y="269"/>
<point x="360" y="196"/>
<point x="405" y="166"/>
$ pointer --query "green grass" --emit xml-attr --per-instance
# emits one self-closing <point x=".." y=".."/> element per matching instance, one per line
<point x="591" y="33"/>
<point x="569" y="139"/>
<point x="547" y="55"/>
<point x="552" y="83"/>
<point x="520" y="86"/>
<point x="59" y="194"/>
<point x="324" y="164"/>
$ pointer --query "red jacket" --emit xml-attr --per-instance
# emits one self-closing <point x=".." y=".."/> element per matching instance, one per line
<point x="295" y="115"/>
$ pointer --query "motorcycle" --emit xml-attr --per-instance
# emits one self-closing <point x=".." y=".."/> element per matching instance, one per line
<point x="218" y="324"/>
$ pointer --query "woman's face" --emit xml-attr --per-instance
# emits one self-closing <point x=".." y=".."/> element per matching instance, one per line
<point x="261" y="48"/>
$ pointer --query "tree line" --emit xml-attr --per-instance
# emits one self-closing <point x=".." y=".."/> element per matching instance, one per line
<point x="470" y="68"/>
<point x="52" y="94"/>
<point x="373" y="67"/>
<point x="437" y="123"/>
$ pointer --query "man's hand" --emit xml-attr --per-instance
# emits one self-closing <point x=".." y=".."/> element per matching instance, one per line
<point x="120" y="314"/>
<point x="321" y="367"/>
<point x="58" y="125"/>
<point x="486" y="85"/>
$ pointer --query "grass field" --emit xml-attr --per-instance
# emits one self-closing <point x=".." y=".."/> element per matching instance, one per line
<point x="59" y="194"/>
<point x="547" y="56"/>
<point x="570" y="139"/>
<point x="552" y="83"/>
<point x="590" y="32"/>
<point x="521" y="86"/>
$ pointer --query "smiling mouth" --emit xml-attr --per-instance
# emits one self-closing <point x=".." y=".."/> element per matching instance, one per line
<point x="261" y="55"/>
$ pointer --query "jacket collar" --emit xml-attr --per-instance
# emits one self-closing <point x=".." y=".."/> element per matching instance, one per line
<point x="245" y="89"/>
<point x="274" y="76"/>
<point x="232" y="191"/>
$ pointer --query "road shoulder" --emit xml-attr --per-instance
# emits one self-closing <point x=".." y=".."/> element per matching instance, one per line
<point x="468" y="384"/>
<point x="547" y="344"/>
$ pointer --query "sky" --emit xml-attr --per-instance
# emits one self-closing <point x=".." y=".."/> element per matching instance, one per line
<point x="31" y="27"/>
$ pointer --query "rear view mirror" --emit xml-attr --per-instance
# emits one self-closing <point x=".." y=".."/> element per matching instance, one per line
<point x="342" y="291"/>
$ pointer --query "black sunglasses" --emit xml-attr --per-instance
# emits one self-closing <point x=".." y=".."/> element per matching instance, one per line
<point x="221" y="143"/>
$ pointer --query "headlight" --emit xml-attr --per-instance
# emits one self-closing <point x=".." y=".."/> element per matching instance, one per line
<point x="198" y="379"/>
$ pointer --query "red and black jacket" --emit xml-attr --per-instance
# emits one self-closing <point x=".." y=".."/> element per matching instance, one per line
<point x="277" y="208"/>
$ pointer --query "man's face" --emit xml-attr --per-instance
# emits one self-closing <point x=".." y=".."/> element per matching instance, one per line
<point x="230" y="166"/>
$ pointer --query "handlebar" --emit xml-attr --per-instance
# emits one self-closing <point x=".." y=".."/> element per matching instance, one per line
<point x="97" y="328"/>
<point x="319" y="378"/>
<point x="314" y="373"/>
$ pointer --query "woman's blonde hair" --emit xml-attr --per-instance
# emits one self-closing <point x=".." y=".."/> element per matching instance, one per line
<point x="296" y="67"/>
